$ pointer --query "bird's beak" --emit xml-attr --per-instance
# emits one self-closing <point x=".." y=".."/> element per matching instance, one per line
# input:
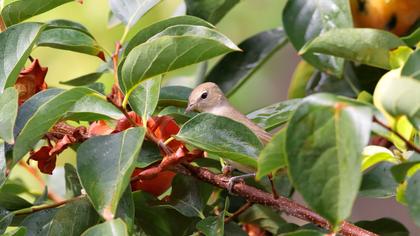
<point x="189" y="108"/>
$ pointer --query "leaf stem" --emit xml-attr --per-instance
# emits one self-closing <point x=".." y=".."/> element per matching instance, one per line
<point x="44" y="207"/>
<point x="239" y="211"/>
<point x="2" y="24"/>
<point x="124" y="36"/>
<point x="407" y="142"/>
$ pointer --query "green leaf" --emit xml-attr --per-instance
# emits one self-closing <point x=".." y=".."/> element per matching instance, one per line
<point x="130" y="11"/>
<point x="3" y="163"/>
<point x="62" y="23"/>
<point x="115" y="227"/>
<point x="412" y="195"/>
<point x="21" y="10"/>
<point x="14" y="51"/>
<point x="73" y="186"/>
<point x="174" y="95"/>
<point x="412" y="66"/>
<point x="303" y="73"/>
<point x="222" y="136"/>
<point x="143" y="35"/>
<point x="366" y="46"/>
<point x="378" y="182"/>
<point x="333" y="131"/>
<point x="273" y="156"/>
<point x="178" y="113"/>
<point x="6" y="218"/>
<point x="210" y="10"/>
<point x="305" y="20"/>
<point x="412" y="39"/>
<point x="125" y="209"/>
<point x="70" y="38"/>
<point x="73" y="218"/>
<point x="400" y="171"/>
<point x="145" y="97"/>
<point x="8" y="113"/>
<point x="321" y="82"/>
<point x="384" y="227"/>
<point x="404" y="94"/>
<point x="149" y="154"/>
<point x="175" y="47"/>
<point x="214" y="225"/>
<point x="155" y="220"/>
<point x="275" y="115"/>
<point x="12" y="201"/>
<point x="114" y="159"/>
<point x="236" y="68"/>
<point x="37" y="115"/>
<point x="84" y="79"/>
<point x="399" y="56"/>
<point x="304" y="232"/>
<point x="20" y="231"/>
<point x="39" y="223"/>
<point x="372" y="155"/>
<point x="189" y="196"/>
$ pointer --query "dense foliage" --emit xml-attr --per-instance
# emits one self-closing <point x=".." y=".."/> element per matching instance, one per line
<point x="350" y="127"/>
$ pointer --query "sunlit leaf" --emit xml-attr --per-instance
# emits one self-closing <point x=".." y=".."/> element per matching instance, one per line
<point x="8" y="113"/>
<point x="145" y="97"/>
<point x="115" y="227"/>
<point x="375" y="154"/>
<point x="210" y="10"/>
<point x="412" y="66"/>
<point x="273" y="155"/>
<point x="130" y="11"/>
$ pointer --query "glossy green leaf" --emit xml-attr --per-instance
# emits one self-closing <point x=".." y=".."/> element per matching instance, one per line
<point x="210" y="10"/>
<point x="222" y="136"/>
<point x="273" y="156"/>
<point x="114" y="159"/>
<point x="378" y="182"/>
<point x="14" y="52"/>
<point x="214" y="225"/>
<point x="366" y="46"/>
<point x="11" y="201"/>
<point x="189" y="196"/>
<point x="333" y="131"/>
<point x="149" y="154"/>
<point x="20" y="231"/>
<point x="372" y="155"/>
<point x="399" y="56"/>
<point x="130" y="11"/>
<point x="301" y="76"/>
<point x="38" y="223"/>
<point x="145" y="97"/>
<point x="304" y="232"/>
<point x="148" y="32"/>
<point x="156" y="220"/>
<point x="62" y="23"/>
<point x="8" y="113"/>
<point x="73" y="218"/>
<point x="412" y="66"/>
<point x="37" y="115"/>
<point x="384" y="227"/>
<point x="115" y="227"/>
<point x="236" y="68"/>
<point x="175" y="47"/>
<point x="125" y="210"/>
<point x="412" y="195"/>
<point x="69" y="38"/>
<point x="412" y="39"/>
<point x="400" y="171"/>
<point x="84" y="79"/>
<point x="275" y="115"/>
<point x="6" y="218"/>
<point x="404" y="94"/>
<point x="305" y="20"/>
<point x="21" y="10"/>
<point x="178" y="113"/>
<point x="3" y="163"/>
<point x="321" y="82"/>
<point x="174" y="95"/>
<point x="73" y="186"/>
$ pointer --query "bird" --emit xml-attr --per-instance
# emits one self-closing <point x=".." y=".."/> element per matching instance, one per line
<point x="208" y="97"/>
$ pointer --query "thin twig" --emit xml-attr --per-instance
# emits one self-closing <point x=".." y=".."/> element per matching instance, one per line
<point x="407" y="142"/>
<point x="2" y="25"/>
<point x="44" y="207"/>
<point x="283" y="204"/>
<point x="243" y="208"/>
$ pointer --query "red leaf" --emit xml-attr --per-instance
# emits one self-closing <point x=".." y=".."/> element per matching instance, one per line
<point x="155" y="186"/>
<point x="124" y="123"/>
<point x="46" y="162"/>
<point x="99" y="127"/>
<point x="61" y="145"/>
<point x="31" y="80"/>
<point x="253" y="230"/>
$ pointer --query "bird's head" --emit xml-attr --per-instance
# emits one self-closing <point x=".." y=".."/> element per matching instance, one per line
<point x="205" y="97"/>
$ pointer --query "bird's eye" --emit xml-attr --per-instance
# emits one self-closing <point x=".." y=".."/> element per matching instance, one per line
<point x="204" y="95"/>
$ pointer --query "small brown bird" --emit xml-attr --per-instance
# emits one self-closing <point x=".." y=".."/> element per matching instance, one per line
<point x="208" y="97"/>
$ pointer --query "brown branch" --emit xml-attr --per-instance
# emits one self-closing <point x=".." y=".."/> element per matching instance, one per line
<point x="283" y="204"/>
<point x="44" y="207"/>
<point x="241" y="210"/>
<point x="407" y="142"/>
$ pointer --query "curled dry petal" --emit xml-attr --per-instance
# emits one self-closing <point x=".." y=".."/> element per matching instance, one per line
<point x="31" y="80"/>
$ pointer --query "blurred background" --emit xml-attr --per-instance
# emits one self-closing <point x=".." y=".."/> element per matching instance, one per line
<point x="267" y="86"/>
